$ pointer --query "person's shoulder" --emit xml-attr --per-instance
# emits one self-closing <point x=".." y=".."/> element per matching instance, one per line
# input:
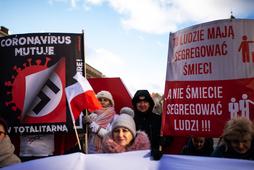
<point x="219" y="151"/>
<point x="141" y="141"/>
<point x="141" y="136"/>
<point x="156" y="115"/>
<point x="141" y="133"/>
<point x="107" y="136"/>
<point x="155" y="118"/>
<point x="105" y="140"/>
<point x="186" y="150"/>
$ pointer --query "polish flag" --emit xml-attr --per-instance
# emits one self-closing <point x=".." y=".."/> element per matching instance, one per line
<point x="81" y="96"/>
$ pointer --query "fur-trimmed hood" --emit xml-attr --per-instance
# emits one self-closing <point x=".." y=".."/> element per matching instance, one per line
<point x="141" y="142"/>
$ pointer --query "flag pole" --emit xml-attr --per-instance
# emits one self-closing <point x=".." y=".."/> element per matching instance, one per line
<point x="86" y="113"/>
<point x="76" y="132"/>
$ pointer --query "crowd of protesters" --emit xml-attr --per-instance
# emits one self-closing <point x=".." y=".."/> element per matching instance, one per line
<point x="138" y="128"/>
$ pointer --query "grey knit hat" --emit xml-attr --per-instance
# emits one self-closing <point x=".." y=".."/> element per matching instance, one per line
<point x="127" y="110"/>
<point x="125" y="120"/>
<point x="107" y="95"/>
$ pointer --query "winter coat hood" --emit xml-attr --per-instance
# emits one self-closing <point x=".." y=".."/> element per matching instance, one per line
<point x="147" y="97"/>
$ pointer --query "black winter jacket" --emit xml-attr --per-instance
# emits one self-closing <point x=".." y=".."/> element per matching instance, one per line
<point x="147" y="121"/>
<point x="190" y="149"/>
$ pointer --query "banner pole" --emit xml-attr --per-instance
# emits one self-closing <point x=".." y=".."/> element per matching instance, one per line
<point x="86" y="135"/>
<point x="76" y="132"/>
<point x="86" y="113"/>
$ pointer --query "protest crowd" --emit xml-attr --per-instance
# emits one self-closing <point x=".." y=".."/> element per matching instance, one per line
<point x="136" y="129"/>
<point x="200" y="115"/>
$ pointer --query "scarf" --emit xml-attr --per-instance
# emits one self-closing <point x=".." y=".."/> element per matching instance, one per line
<point x="104" y="118"/>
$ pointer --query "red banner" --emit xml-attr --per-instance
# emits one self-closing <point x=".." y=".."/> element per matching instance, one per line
<point x="116" y="87"/>
<point x="210" y="77"/>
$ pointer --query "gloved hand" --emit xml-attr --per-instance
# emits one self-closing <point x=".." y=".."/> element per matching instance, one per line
<point x="156" y="154"/>
<point x="166" y="141"/>
<point x="94" y="127"/>
<point x="113" y="147"/>
<point x="89" y="118"/>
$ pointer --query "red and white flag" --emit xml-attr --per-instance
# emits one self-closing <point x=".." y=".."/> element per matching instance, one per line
<point x="81" y="96"/>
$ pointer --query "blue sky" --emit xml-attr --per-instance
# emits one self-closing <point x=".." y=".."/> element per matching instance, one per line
<point x="123" y="38"/>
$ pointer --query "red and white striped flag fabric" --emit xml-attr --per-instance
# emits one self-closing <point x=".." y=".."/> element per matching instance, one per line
<point x="81" y="96"/>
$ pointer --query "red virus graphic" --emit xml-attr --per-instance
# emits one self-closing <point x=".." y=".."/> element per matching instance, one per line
<point x="17" y="82"/>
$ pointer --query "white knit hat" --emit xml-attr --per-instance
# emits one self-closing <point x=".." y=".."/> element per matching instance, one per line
<point x="127" y="110"/>
<point x="125" y="120"/>
<point x="107" y="95"/>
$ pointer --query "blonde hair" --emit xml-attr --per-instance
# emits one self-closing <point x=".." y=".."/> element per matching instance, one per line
<point x="237" y="128"/>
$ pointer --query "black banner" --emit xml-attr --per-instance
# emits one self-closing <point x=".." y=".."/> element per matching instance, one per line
<point x="35" y="69"/>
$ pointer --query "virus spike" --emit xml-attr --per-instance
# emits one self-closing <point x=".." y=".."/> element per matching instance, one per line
<point x="38" y="62"/>
<point x="19" y="117"/>
<point x="47" y="61"/>
<point x="8" y="92"/>
<point x="14" y="68"/>
<point x="29" y="61"/>
<point x="7" y="103"/>
<point x="8" y="83"/>
<point x="14" y="108"/>
<point x="18" y="70"/>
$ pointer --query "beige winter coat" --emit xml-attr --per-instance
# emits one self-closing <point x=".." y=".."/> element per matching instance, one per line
<point x="7" y="156"/>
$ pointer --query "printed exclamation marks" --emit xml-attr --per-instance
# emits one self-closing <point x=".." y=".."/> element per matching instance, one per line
<point x="206" y="125"/>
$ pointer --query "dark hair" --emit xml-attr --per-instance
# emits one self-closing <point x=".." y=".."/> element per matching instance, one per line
<point x="3" y="122"/>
